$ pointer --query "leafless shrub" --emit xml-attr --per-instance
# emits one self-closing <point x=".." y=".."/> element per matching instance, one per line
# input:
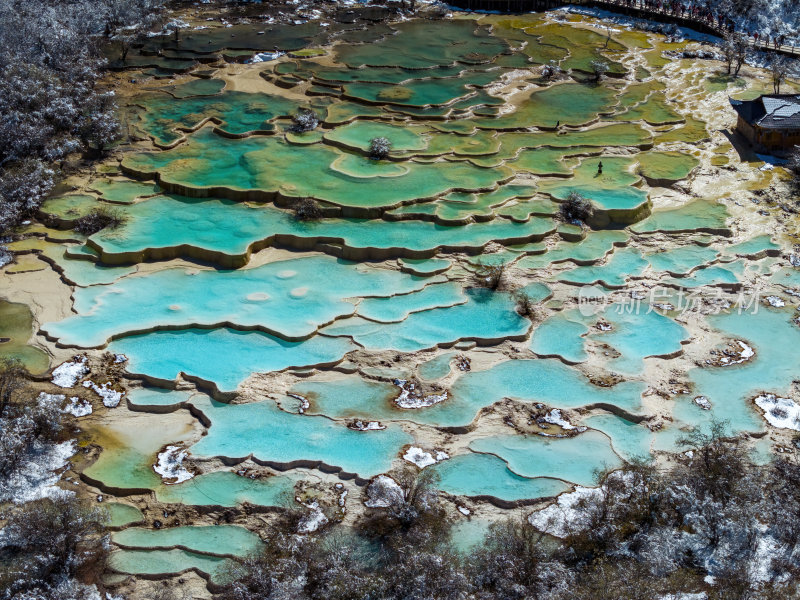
<point x="491" y="276"/>
<point x="306" y="209"/>
<point x="575" y="209"/>
<point x="379" y="148"/>
<point x="102" y="217"/>
<point x="305" y="120"/>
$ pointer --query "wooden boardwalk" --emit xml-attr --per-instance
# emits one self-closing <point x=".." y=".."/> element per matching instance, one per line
<point x="634" y="8"/>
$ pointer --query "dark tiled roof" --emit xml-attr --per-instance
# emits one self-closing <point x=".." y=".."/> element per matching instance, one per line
<point x="773" y="111"/>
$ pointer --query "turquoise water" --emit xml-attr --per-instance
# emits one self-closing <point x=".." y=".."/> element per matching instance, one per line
<point x="545" y="380"/>
<point x="219" y="540"/>
<point x="637" y="332"/>
<point x="730" y="389"/>
<point x="436" y="368"/>
<point x="422" y="45"/>
<point x="226" y="232"/>
<point x="754" y="247"/>
<point x="559" y="335"/>
<point x="579" y="459"/>
<point x="379" y="287"/>
<point x="223" y="357"/>
<point x="424" y="267"/>
<point x="291" y="298"/>
<point x="162" y="562"/>
<point x="399" y="307"/>
<point x="83" y="273"/>
<point x="611" y="190"/>
<point x="152" y="396"/>
<point x="681" y="261"/>
<point x="264" y="431"/>
<point x="729" y="274"/>
<point x="696" y="216"/>
<point x="623" y="264"/>
<point x="123" y="514"/>
<point x="486" y="316"/>
<point x="223" y="488"/>
<point x="486" y="475"/>
<point x="595" y="246"/>
<point x="166" y="118"/>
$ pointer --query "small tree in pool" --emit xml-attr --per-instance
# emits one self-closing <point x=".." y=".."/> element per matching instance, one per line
<point x="599" y="68"/>
<point x="307" y="210"/>
<point x="99" y="218"/>
<point x="305" y="120"/>
<point x="575" y="209"/>
<point x="379" y="148"/>
<point x="492" y="277"/>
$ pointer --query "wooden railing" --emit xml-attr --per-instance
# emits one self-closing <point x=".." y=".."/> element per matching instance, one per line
<point x="637" y="8"/>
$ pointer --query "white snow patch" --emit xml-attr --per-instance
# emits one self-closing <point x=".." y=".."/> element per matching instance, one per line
<point x="564" y="515"/>
<point x="464" y="510"/>
<point x="410" y="398"/>
<point x="360" y="425"/>
<point x="264" y="57"/>
<point x="120" y="358"/>
<point x="66" y="375"/>
<point x="767" y="549"/>
<point x="5" y="256"/>
<point x="304" y="403"/>
<point x="703" y="402"/>
<point x="423" y="459"/>
<point x="77" y="407"/>
<point x="170" y="465"/>
<point x="775" y="301"/>
<point x="45" y="398"/>
<point x="744" y="355"/>
<point x="111" y="398"/>
<point x="554" y="417"/>
<point x="35" y="478"/>
<point x="663" y="306"/>
<point x="783" y="413"/>
<point x="384" y="492"/>
<point x="313" y="520"/>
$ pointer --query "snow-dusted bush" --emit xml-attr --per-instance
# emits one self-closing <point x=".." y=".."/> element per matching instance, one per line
<point x="103" y="217"/>
<point x="50" y="104"/>
<point x="306" y="209"/>
<point x="305" y="120"/>
<point x="379" y="148"/>
<point x="575" y="209"/>
<point x="599" y="69"/>
<point x="409" y="513"/>
<point x="47" y="543"/>
<point x="492" y="277"/>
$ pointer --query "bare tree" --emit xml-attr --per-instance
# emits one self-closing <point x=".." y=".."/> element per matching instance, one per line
<point x="576" y="208"/>
<point x="492" y="277"/>
<point x="52" y="539"/>
<point x="599" y="68"/>
<point x="779" y="67"/>
<point x="13" y="378"/>
<point x="379" y="148"/>
<point x="734" y="48"/>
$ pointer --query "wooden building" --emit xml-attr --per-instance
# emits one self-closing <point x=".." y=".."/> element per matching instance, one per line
<point x="770" y="123"/>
